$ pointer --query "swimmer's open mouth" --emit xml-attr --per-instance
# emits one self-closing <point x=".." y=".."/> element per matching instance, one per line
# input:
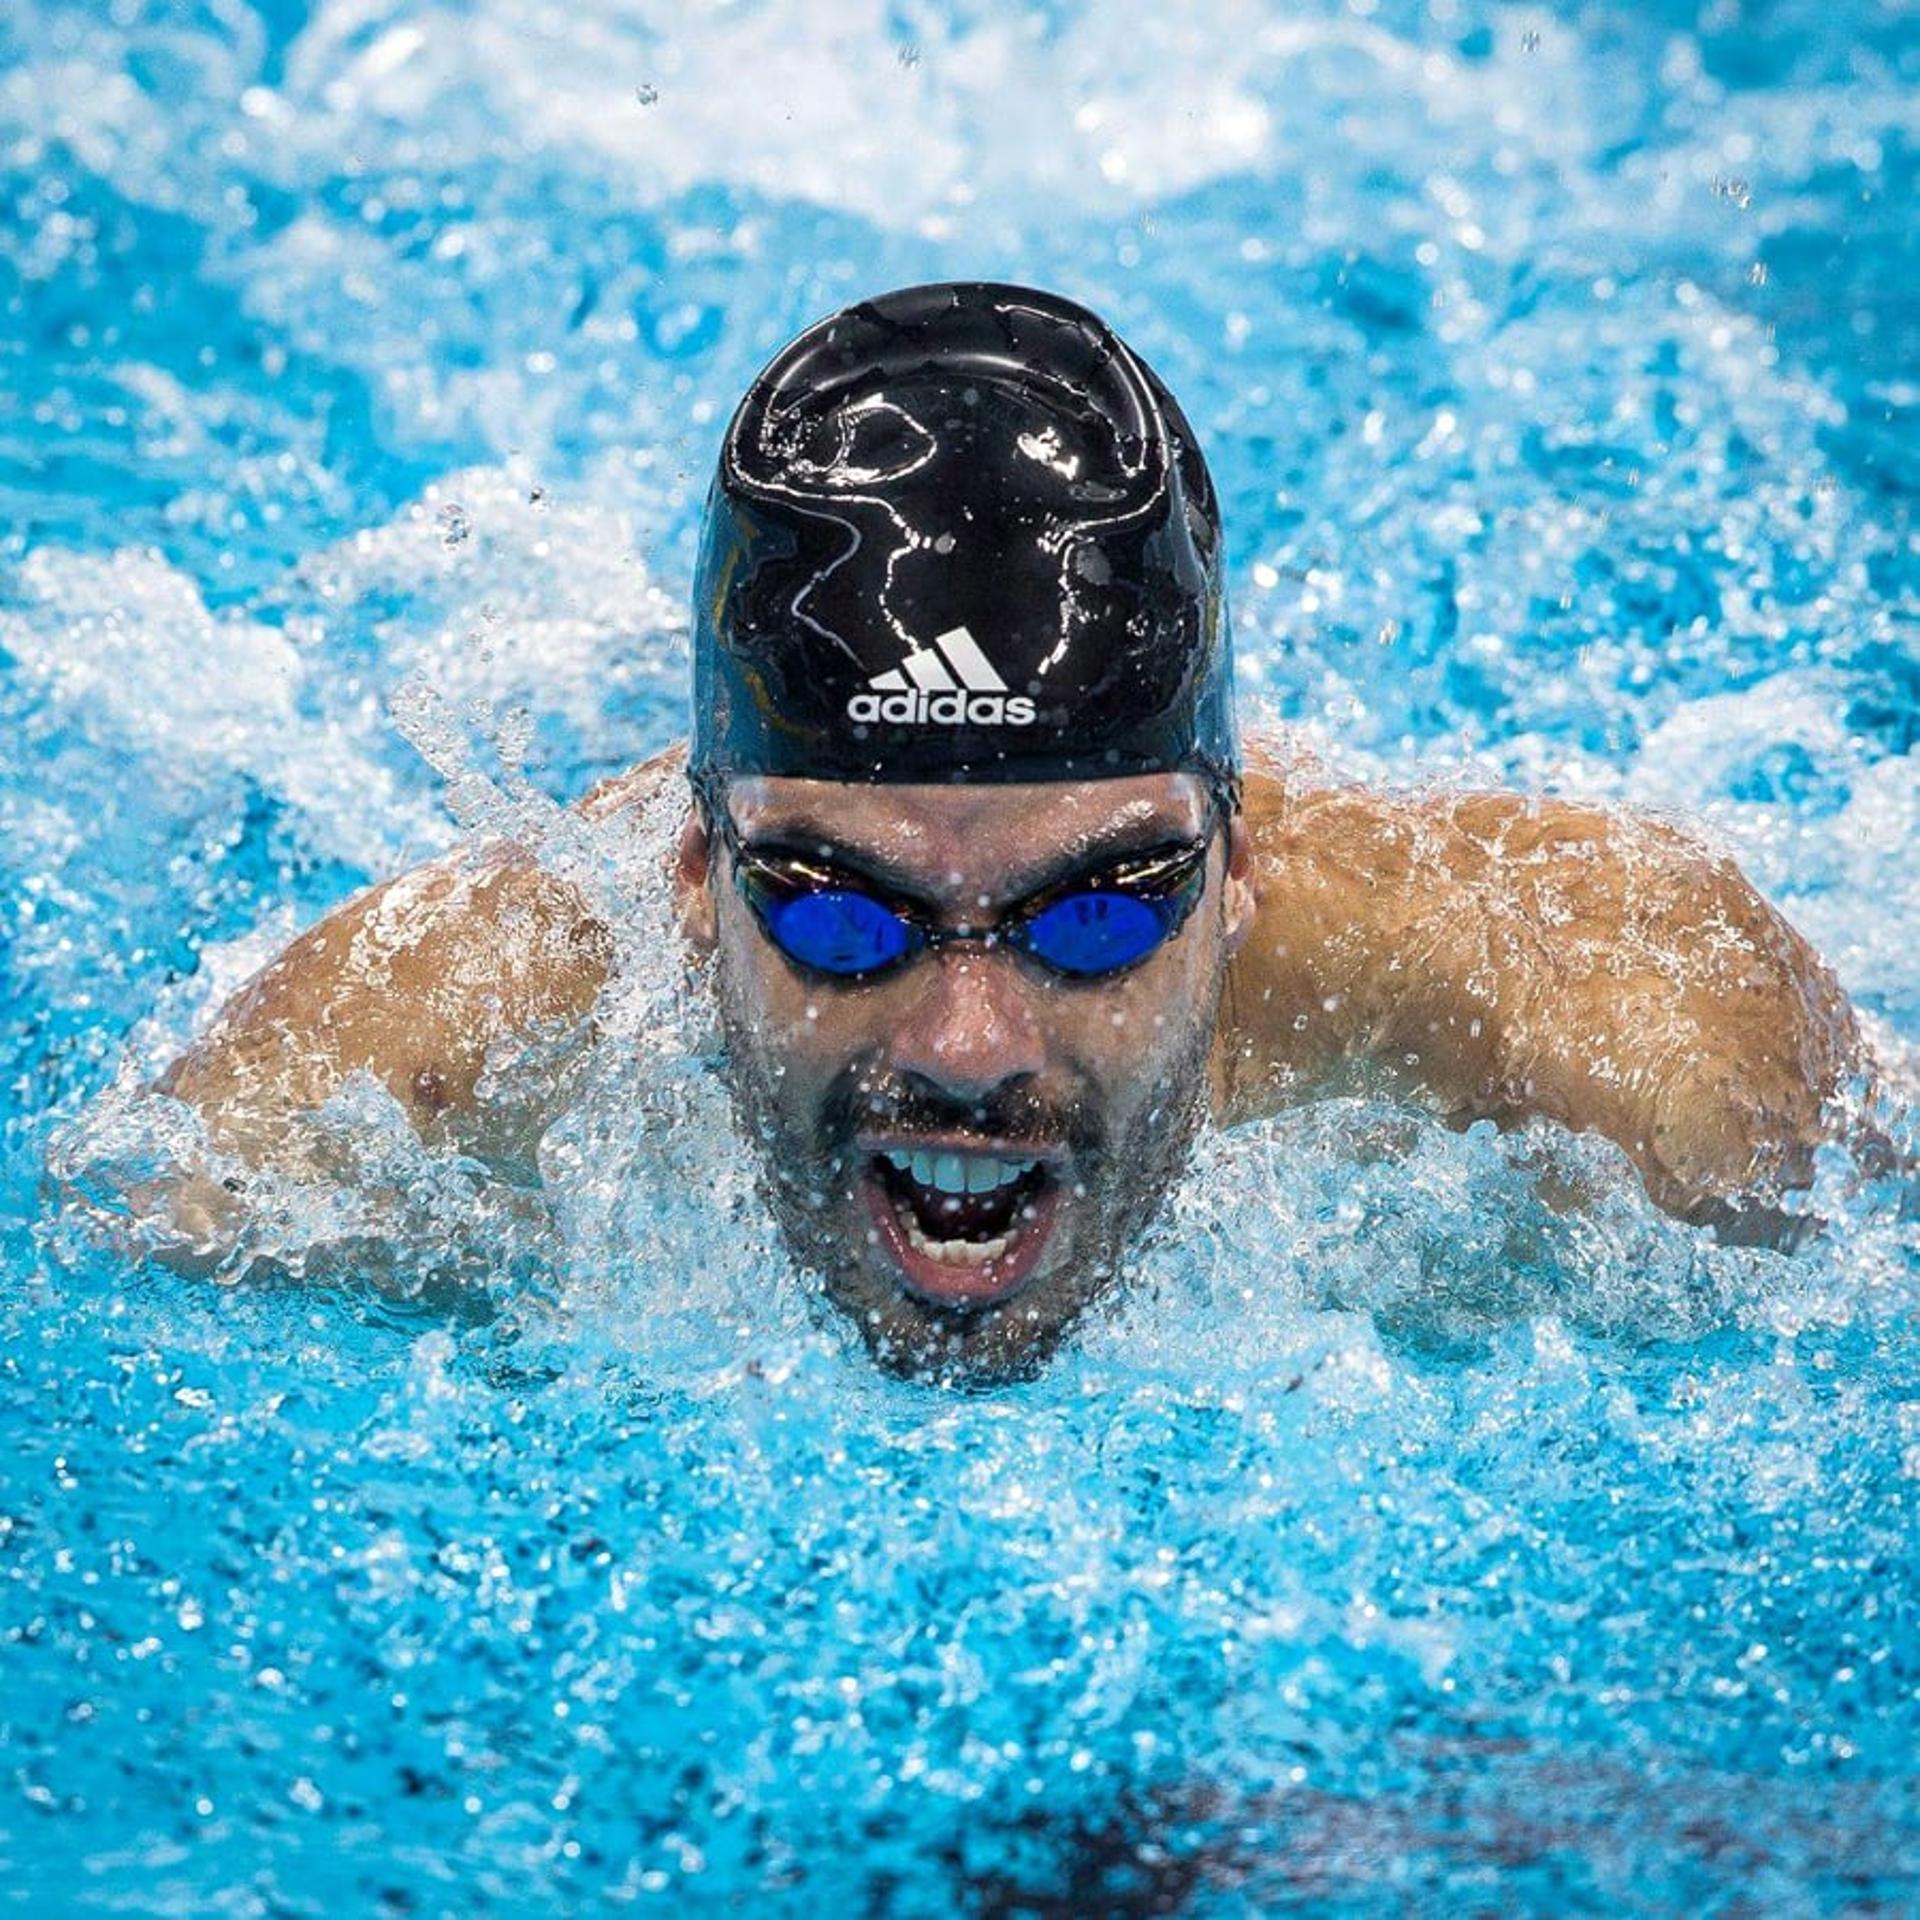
<point x="965" y="1228"/>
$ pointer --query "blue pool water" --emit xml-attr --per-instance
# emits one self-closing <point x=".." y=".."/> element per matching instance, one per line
<point x="1394" y="1542"/>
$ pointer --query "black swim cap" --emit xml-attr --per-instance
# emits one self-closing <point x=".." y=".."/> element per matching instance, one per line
<point x="961" y="532"/>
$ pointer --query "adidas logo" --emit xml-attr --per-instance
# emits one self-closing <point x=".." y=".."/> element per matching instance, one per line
<point x="950" y="683"/>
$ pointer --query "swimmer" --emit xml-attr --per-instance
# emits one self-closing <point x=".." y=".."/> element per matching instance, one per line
<point x="997" y="912"/>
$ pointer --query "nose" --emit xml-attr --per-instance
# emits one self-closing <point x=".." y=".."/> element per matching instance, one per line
<point x="970" y="1026"/>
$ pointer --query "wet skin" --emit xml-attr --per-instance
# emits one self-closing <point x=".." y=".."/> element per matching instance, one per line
<point x="973" y="1051"/>
<point x="1491" y="955"/>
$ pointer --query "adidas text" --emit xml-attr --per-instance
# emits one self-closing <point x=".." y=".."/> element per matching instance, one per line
<point x="918" y="707"/>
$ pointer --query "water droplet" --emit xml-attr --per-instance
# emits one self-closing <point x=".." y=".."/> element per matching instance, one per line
<point x="646" y="93"/>
<point x="455" y="525"/>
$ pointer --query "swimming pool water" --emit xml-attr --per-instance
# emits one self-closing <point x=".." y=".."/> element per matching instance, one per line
<point x="1394" y="1541"/>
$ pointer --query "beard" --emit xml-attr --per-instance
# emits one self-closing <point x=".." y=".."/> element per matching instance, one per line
<point x="809" y="1164"/>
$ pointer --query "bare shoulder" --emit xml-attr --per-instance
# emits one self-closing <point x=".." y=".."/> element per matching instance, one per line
<point x="1512" y="955"/>
<point x="412" y="982"/>
<point x="638" y="786"/>
<point x="1343" y="879"/>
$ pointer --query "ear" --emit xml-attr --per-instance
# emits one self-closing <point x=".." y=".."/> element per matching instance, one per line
<point x="693" y="884"/>
<point x="1239" y="888"/>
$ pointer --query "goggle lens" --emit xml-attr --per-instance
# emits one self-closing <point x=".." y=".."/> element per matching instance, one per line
<point x="838" y="932"/>
<point x="1095" y="933"/>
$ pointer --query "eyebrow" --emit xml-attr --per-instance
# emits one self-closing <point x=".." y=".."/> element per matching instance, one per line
<point x="806" y="839"/>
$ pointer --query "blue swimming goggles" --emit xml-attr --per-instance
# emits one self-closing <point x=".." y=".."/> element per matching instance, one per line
<point x="1091" y="926"/>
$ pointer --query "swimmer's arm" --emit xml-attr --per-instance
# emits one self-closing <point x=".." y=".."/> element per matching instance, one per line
<point x="415" y="982"/>
<point x="1511" y="958"/>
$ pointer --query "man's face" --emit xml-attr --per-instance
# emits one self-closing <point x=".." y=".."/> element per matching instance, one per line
<point x="965" y="1146"/>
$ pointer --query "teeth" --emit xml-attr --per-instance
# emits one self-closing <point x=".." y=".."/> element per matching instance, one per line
<point x="963" y="1253"/>
<point x="959" y="1172"/>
